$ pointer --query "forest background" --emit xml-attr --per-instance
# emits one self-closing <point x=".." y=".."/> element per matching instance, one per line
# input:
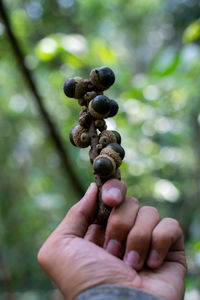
<point x="153" y="46"/>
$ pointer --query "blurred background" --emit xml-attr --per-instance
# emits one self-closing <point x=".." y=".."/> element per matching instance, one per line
<point x="153" y="47"/>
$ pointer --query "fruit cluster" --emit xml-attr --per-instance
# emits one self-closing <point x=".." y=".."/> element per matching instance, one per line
<point x="106" y="153"/>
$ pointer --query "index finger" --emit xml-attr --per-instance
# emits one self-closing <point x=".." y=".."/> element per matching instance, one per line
<point x="113" y="192"/>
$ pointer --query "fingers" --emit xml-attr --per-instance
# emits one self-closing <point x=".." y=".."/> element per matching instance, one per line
<point x="113" y="192"/>
<point x="81" y="215"/>
<point x="119" y="224"/>
<point x="96" y="234"/>
<point x="139" y="237"/>
<point x="167" y="235"/>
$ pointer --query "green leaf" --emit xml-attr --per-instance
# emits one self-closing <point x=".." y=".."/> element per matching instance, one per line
<point x="165" y="62"/>
<point x="192" y="32"/>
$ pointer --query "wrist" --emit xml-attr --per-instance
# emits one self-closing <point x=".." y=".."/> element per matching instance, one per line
<point x="114" y="292"/>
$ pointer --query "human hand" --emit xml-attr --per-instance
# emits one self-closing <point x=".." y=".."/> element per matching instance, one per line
<point x="137" y="249"/>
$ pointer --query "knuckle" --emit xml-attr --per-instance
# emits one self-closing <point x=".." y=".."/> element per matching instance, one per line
<point x="176" y="226"/>
<point x="151" y="210"/>
<point x="135" y="201"/>
<point x="172" y="221"/>
<point x="117" y="224"/>
<point x="132" y="202"/>
<point x="160" y="237"/>
<point x="139" y="237"/>
<point x="113" y="222"/>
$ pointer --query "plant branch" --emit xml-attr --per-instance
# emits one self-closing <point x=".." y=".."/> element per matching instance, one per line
<point x="52" y="130"/>
<point x="103" y="211"/>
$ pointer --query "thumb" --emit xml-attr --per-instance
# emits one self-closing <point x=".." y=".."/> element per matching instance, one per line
<point x="81" y="215"/>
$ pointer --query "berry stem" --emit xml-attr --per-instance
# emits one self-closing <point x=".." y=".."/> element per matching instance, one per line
<point x="103" y="210"/>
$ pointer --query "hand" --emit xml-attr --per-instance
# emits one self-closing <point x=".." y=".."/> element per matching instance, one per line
<point x="137" y="248"/>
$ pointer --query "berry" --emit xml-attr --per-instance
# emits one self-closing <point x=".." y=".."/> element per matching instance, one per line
<point x="114" y="108"/>
<point x="102" y="78"/>
<point x="75" y="88"/>
<point x="103" y="166"/>
<point x="79" y="137"/>
<point x="101" y="104"/>
<point x="85" y="138"/>
<point x="71" y="135"/>
<point x="69" y="87"/>
<point x="106" y="137"/>
<point x="100" y="107"/>
<point x="118" y="136"/>
<point x="100" y="124"/>
<point x="117" y="148"/>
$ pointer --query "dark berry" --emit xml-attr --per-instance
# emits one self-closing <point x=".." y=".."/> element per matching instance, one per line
<point x="71" y="135"/>
<point x="101" y="104"/>
<point x="118" y="136"/>
<point x="106" y="76"/>
<point x="117" y="148"/>
<point x="114" y="108"/>
<point x="103" y="167"/>
<point x="69" y="87"/>
<point x="102" y="78"/>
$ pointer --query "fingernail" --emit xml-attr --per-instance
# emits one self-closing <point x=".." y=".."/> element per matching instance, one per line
<point x="114" y="247"/>
<point x="115" y="194"/>
<point x="154" y="257"/>
<point x="133" y="259"/>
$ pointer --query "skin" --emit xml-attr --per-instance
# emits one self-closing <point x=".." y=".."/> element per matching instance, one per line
<point x="137" y="249"/>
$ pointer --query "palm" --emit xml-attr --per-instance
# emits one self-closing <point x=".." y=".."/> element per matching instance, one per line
<point x="166" y="280"/>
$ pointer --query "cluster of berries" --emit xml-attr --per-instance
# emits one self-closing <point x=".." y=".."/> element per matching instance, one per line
<point x="106" y="153"/>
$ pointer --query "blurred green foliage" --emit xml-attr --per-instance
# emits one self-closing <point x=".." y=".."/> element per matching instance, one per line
<point x="153" y="47"/>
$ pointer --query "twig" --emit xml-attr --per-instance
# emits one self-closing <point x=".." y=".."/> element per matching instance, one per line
<point x="56" y="138"/>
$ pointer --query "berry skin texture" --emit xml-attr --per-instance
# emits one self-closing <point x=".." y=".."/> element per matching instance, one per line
<point x="71" y="134"/>
<point x="117" y="148"/>
<point x="113" y="154"/>
<point x="106" y="137"/>
<point x="100" y="107"/>
<point x="69" y="87"/>
<point x="100" y="124"/>
<point x="79" y="137"/>
<point x="104" y="166"/>
<point x="114" y="109"/>
<point x="102" y="78"/>
<point x="101" y="104"/>
<point x="118" y="136"/>
<point x="75" y="87"/>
